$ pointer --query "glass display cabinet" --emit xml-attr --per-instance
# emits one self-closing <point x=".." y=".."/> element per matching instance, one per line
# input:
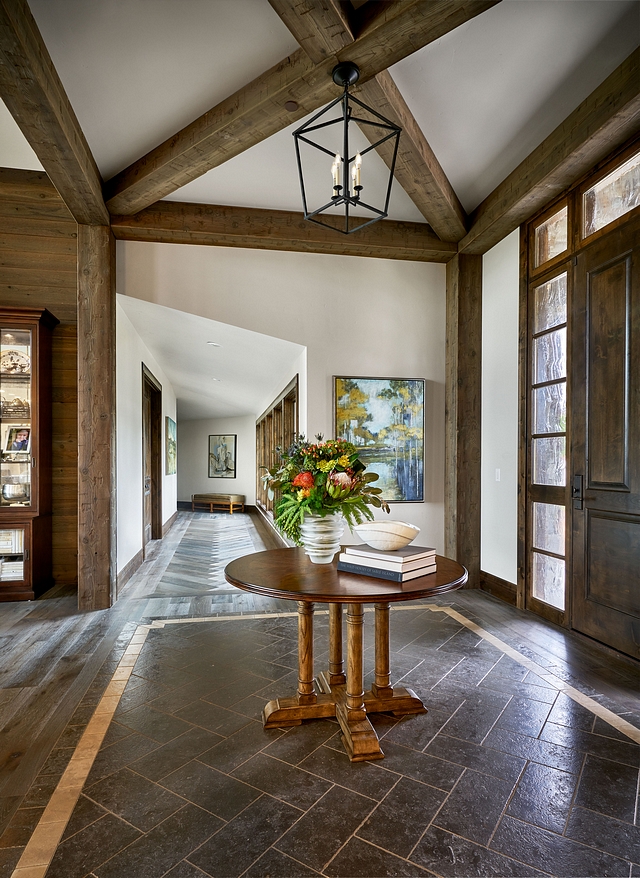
<point x="25" y="452"/>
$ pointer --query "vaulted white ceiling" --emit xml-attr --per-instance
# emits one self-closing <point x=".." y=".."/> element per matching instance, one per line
<point x="486" y="94"/>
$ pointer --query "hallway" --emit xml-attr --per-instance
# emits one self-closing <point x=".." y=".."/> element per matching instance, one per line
<point x="141" y="752"/>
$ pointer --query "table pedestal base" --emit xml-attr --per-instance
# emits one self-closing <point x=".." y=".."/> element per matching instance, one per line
<point x="358" y="735"/>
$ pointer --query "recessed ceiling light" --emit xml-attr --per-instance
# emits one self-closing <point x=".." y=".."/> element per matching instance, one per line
<point x="216" y="379"/>
<point x="214" y="344"/>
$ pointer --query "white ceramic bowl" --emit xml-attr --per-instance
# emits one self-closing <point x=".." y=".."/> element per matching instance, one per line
<point x="387" y="535"/>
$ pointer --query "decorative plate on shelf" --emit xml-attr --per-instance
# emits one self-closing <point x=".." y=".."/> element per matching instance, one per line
<point x="14" y="362"/>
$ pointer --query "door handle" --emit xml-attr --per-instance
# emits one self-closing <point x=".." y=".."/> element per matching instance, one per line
<point x="576" y="493"/>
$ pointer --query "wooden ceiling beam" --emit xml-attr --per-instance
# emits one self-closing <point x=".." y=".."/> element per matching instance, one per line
<point x="35" y="97"/>
<point x="417" y="169"/>
<point x="219" y="225"/>
<point x="257" y="110"/>
<point x="603" y="121"/>
<point x="322" y="29"/>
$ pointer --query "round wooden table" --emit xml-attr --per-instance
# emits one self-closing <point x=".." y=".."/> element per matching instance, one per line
<point x="288" y="574"/>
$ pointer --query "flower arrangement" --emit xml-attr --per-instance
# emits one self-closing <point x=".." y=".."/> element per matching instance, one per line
<point x="321" y="478"/>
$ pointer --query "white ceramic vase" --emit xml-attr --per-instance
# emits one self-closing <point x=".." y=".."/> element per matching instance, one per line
<point x="321" y="536"/>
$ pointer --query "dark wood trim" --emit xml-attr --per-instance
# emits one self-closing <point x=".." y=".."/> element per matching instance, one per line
<point x="97" y="559"/>
<point x="523" y="418"/>
<point x="166" y="527"/>
<point x="499" y="588"/>
<point x="257" y="110"/>
<point x="155" y="388"/>
<point x="462" y="414"/>
<point x="35" y="97"/>
<point x="128" y="571"/>
<point x="174" y="222"/>
<point x="601" y="123"/>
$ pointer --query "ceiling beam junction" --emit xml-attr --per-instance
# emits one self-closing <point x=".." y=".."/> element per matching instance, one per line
<point x="35" y="97"/>
<point x="322" y="30"/>
<point x="257" y="110"/>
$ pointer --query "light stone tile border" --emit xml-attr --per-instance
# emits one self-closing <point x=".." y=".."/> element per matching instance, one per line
<point x="42" y="845"/>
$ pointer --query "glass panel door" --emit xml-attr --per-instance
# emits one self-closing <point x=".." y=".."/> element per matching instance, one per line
<point x="12" y="554"/>
<point x="15" y="416"/>
<point x="548" y="441"/>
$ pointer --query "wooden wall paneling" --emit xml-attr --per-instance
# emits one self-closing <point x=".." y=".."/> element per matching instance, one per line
<point x="96" y="421"/>
<point x="38" y="254"/>
<point x="65" y="456"/>
<point x="462" y="415"/>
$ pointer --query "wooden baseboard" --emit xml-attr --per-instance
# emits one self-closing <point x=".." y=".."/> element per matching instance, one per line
<point x="128" y="570"/>
<point x="166" y="527"/>
<point x="184" y="505"/>
<point x="499" y="588"/>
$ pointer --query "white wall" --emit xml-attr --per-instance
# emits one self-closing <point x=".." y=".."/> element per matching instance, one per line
<point x="499" y="509"/>
<point x="356" y="316"/>
<point x="193" y="445"/>
<point x="131" y="353"/>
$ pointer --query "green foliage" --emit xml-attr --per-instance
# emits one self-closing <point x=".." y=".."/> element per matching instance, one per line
<point x="321" y="478"/>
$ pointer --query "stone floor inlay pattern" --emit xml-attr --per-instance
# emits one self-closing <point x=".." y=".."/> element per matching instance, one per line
<point x="506" y="774"/>
<point x="519" y="768"/>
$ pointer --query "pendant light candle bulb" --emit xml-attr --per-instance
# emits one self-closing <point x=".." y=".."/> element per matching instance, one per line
<point x="356" y="168"/>
<point x="335" y="171"/>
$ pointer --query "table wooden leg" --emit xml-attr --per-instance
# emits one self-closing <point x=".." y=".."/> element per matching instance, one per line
<point x="358" y="735"/>
<point x="335" y="676"/>
<point x="306" y="689"/>
<point x="383" y="698"/>
<point x="382" y="685"/>
<point x="305" y="704"/>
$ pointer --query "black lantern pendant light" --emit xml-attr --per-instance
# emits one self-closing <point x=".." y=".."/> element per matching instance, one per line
<point x="346" y="173"/>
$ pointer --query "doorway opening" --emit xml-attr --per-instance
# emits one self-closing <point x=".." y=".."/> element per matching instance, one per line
<point x="581" y="447"/>
<point x="151" y="459"/>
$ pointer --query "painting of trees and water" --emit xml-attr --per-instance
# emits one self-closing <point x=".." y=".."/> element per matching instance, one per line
<point x="384" y="418"/>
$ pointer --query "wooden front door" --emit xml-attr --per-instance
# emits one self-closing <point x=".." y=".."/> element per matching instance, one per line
<point x="605" y="446"/>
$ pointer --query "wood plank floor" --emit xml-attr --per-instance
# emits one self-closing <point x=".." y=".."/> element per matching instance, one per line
<point x="486" y="710"/>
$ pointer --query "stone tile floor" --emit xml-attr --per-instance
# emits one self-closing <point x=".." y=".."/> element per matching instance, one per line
<point x="503" y="776"/>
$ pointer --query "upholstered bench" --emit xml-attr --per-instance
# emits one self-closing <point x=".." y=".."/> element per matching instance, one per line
<point x="224" y="501"/>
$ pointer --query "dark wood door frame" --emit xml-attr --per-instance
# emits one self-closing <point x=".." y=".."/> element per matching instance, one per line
<point x="153" y="386"/>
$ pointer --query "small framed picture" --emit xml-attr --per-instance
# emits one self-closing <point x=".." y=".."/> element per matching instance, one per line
<point x="17" y="439"/>
<point x="222" y="456"/>
<point x="170" y="447"/>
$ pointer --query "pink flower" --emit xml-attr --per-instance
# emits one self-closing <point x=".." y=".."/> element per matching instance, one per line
<point x="341" y="479"/>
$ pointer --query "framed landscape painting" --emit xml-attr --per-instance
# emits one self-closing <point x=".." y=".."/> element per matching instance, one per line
<point x="222" y="456"/>
<point x="170" y="447"/>
<point x="384" y="419"/>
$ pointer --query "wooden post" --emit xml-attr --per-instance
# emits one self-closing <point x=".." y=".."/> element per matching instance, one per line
<point x="96" y="418"/>
<point x="306" y="688"/>
<point x="463" y="395"/>
<point x="382" y="685"/>
<point x="336" y="662"/>
<point x="355" y="682"/>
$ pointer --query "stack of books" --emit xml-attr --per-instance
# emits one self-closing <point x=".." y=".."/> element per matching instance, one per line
<point x="401" y="565"/>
